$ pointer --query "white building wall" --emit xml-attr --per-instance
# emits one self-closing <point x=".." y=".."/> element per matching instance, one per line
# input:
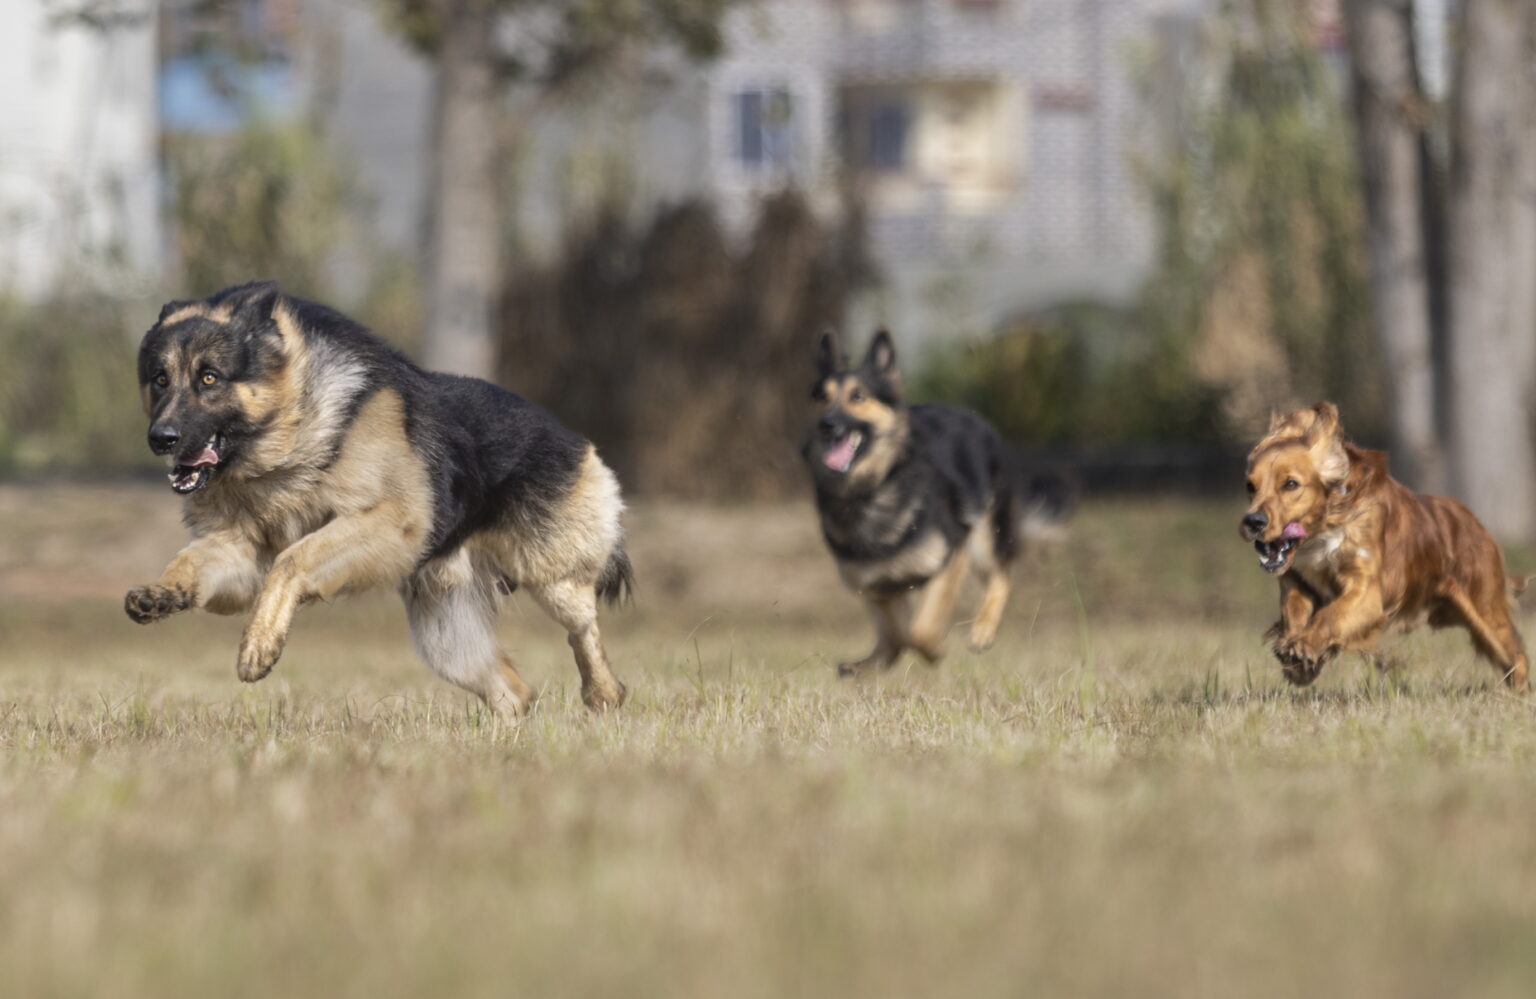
<point x="78" y="164"/>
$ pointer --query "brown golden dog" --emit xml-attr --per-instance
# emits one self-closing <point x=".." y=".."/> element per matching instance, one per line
<point x="1357" y="551"/>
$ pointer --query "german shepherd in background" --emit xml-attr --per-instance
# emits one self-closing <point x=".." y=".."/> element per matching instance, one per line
<point x="910" y="498"/>
<point x="316" y="460"/>
<point x="1358" y="552"/>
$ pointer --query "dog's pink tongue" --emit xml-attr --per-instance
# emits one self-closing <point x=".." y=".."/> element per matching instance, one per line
<point x="208" y="457"/>
<point x="1293" y="530"/>
<point x="840" y="455"/>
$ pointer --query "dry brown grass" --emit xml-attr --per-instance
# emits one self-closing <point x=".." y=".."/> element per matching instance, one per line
<point x="1122" y="798"/>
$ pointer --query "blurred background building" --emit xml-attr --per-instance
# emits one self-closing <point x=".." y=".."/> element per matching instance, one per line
<point x="79" y="167"/>
<point x="993" y="141"/>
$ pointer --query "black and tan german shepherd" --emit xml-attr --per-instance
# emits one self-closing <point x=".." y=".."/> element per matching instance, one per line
<point x="912" y="497"/>
<point x="315" y="460"/>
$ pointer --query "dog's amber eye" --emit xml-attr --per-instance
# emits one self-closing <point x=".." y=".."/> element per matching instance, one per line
<point x="1252" y="489"/>
<point x="1291" y="484"/>
<point x="161" y="380"/>
<point x="857" y="395"/>
<point x="209" y="378"/>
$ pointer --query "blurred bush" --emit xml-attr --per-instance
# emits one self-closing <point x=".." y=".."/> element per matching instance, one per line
<point x="68" y="391"/>
<point x="686" y="359"/>
<point x="269" y="201"/>
<point x="1080" y="375"/>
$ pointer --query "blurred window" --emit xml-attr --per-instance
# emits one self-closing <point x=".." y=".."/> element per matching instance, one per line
<point x="765" y="127"/>
<point x="889" y="124"/>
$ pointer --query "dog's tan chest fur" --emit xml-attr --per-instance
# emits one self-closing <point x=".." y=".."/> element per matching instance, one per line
<point x="920" y="559"/>
<point x="1317" y="561"/>
<point x="375" y="465"/>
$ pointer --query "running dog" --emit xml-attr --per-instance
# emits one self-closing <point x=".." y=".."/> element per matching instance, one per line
<point x="910" y="499"/>
<point x="1357" y="552"/>
<point x="314" y="460"/>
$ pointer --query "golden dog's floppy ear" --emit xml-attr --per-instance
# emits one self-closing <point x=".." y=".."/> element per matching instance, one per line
<point x="1325" y="441"/>
<point x="1277" y="420"/>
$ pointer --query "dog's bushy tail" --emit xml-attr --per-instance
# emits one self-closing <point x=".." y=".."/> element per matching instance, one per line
<point x="617" y="583"/>
<point x="1042" y="506"/>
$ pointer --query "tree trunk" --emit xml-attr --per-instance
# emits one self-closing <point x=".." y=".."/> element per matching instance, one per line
<point x="463" y="252"/>
<point x="1492" y="266"/>
<point x="1389" y="111"/>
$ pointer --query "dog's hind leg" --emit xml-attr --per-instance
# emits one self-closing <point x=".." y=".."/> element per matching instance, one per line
<point x="994" y="576"/>
<point x="453" y="626"/>
<point x="889" y="612"/>
<point x="574" y="605"/>
<point x="936" y="607"/>
<point x="1494" y="636"/>
<point x="994" y="599"/>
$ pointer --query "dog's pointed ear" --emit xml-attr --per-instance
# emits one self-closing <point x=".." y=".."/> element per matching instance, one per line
<point x="170" y="307"/>
<point x="1276" y="420"/>
<point x="1325" y="439"/>
<point x="252" y="302"/>
<point x="881" y="358"/>
<point x="830" y="358"/>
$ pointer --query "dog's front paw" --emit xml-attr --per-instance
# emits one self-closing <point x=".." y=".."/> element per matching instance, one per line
<point x="259" y="652"/>
<point x="602" y="698"/>
<point x="1301" y="661"/>
<point x="983" y="634"/>
<point x="151" y="603"/>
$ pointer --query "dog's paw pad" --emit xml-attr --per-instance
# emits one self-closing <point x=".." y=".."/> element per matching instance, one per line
<point x="151" y="603"/>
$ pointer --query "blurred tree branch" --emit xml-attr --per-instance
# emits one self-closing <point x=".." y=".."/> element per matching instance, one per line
<point x="99" y="15"/>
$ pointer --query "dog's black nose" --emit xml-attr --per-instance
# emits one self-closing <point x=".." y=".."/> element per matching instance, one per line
<point x="1255" y="522"/>
<point x="162" y="438"/>
<point x="827" y="424"/>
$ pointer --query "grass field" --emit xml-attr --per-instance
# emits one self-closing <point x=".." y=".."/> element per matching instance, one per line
<point x="1122" y="798"/>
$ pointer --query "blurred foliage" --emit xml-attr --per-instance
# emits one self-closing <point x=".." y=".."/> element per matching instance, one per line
<point x="68" y="388"/>
<point x="564" y="40"/>
<point x="270" y="201"/>
<point x="1083" y="374"/>
<point x="685" y="358"/>
<point x="1258" y="293"/>
<point x="1261" y="272"/>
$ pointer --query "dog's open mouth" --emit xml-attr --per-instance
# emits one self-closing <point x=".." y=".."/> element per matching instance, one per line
<point x="841" y="451"/>
<point x="1275" y="556"/>
<point x="189" y="477"/>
